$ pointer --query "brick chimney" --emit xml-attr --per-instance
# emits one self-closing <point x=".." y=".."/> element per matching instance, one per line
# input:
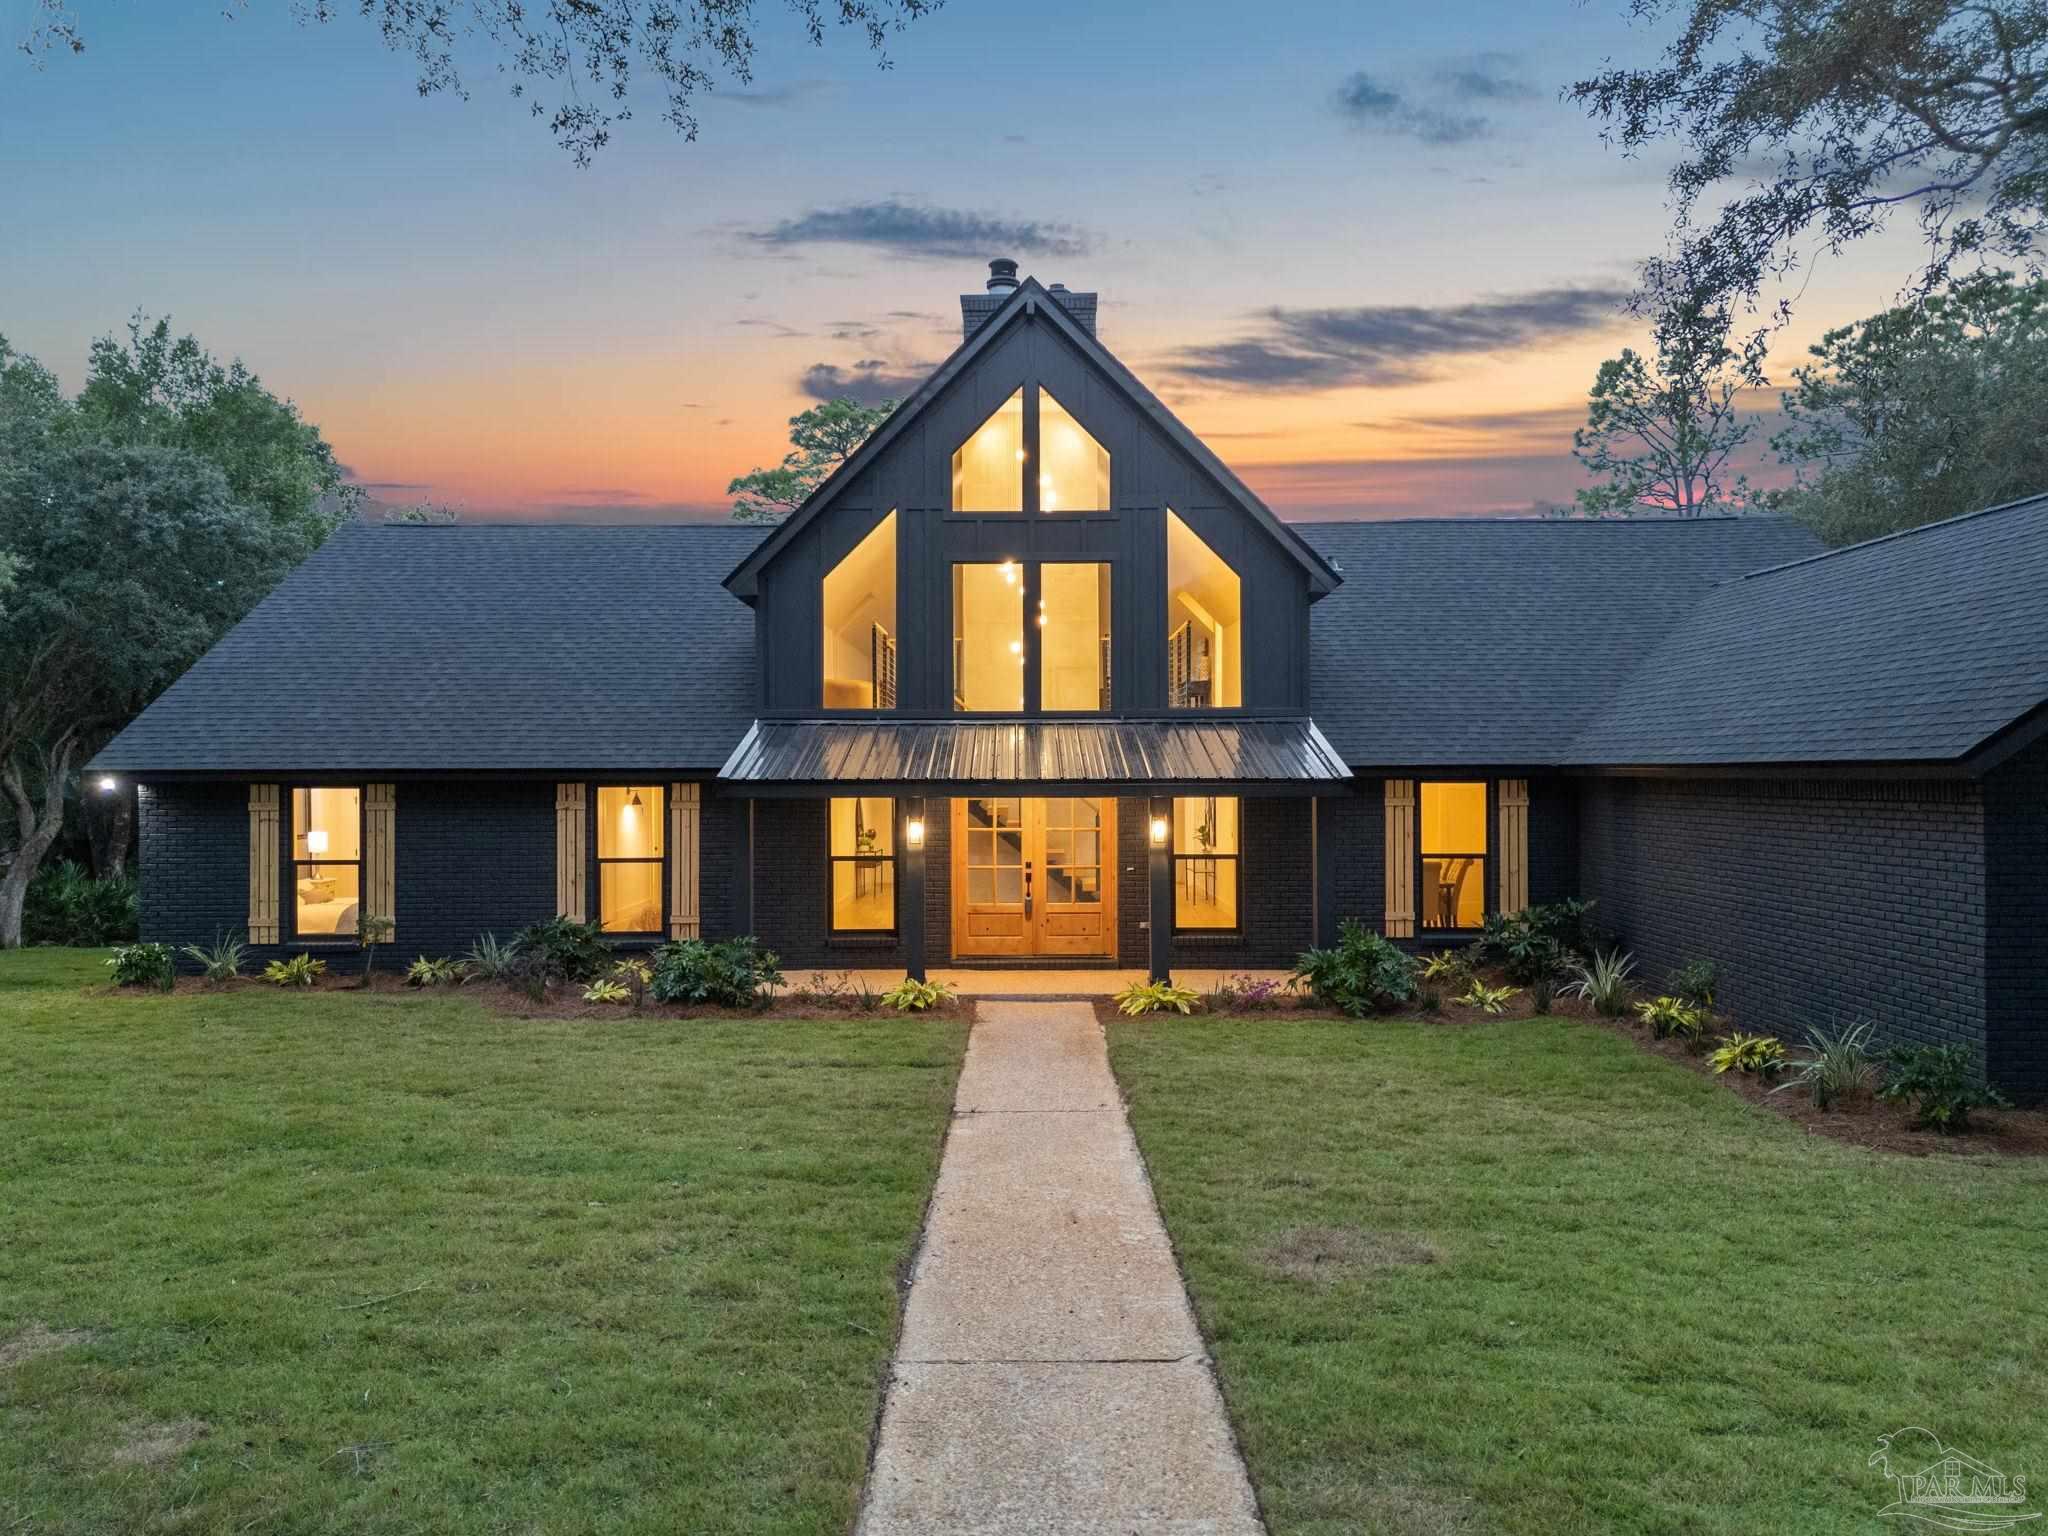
<point x="975" y="308"/>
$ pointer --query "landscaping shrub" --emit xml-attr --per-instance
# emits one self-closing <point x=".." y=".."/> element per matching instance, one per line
<point x="1539" y="941"/>
<point x="1492" y="1000"/>
<point x="636" y="976"/>
<point x="1836" y="1069"/>
<point x="1142" y="997"/>
<point x="1694" y="981"/>
<point x="488" y="960"/>
<point x="64" y="904"/>
<point x="1602" y="981"/>
<point x="1761" y="1055"/>
<point x="1543" y="994"/>
<point x="1672" y="1017"/>
<point x="564" y="950"/>
<point x="733" y="973"/>
<point x="433" y="973"/>
<point x="1936" y="1080"/>
<point x="912" y="996"/>
<point x="299" y="971"/>
<point x="1446" y="965"/>
<point x="1247" y="994"/>
<point x="607" y="991"/>
<point x="143" y="965"/>
<point x="1363" y="974"/>
<point x="220" y="961"/>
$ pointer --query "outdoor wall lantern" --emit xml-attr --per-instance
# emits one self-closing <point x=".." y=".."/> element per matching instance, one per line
<point x="1159" y="831"/>
<point x="913" y="833"/>
<point x="108" y="784"/>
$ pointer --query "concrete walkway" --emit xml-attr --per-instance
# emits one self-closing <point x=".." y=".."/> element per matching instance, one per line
<point x="1051" y="1377"/>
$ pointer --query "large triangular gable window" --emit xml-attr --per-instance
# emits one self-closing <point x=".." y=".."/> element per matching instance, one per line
<point x="992" y="469"/>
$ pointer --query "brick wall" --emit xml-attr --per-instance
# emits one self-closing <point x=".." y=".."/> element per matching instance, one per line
<point x="792" y="889"/>
<point x="1821" y="902"/>
<point x="1275" y="891"/>
<point x="2016" y="930"/>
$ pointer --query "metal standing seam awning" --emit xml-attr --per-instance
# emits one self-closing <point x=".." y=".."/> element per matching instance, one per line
<point x="1135" y="754"/>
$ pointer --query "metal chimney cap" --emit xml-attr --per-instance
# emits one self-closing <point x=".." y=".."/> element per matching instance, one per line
<point x="1002" y="274"/>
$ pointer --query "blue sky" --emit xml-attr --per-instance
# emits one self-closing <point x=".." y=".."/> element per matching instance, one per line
<point x="1365" y="249"/>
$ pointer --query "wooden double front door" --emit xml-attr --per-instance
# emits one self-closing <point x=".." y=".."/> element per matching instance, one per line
<point x="1034" y="877"/>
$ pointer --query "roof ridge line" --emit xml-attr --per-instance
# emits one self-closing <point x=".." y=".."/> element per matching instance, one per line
<point x="1902" y="533"/>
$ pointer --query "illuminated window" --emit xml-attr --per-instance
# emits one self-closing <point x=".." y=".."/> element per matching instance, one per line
<point x="629" y="857"/>
<point x="1204" y="628"/>
<point x="1205" y="863"/>
<point x="988" y="469"/>
<point x="863" y="865"/>
<point x="988" y="637"/>
<point x="860" y="624"/>
<point x="1073" y="637"/>
<point x="1453" y="846"/>
<point x="1073" y="469"/>
<point x="327" y="862"/>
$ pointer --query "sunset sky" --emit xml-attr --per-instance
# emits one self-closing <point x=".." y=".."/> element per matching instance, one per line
<point x="1363" y="249"/>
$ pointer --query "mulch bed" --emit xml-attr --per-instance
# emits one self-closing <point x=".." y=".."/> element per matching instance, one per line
<point x="1876" y="1125"/>
<point x="564" y="1000"/>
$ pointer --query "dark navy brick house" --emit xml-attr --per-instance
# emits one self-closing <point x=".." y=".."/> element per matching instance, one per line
<point x="1035" y="678"/>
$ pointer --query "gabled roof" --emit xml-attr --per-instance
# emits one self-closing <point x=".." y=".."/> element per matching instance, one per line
<point x="1497" y="641"/>
<point x="1916" y="648"/>
<point x="472" y="648"/>
<point x="1030" y="299"/>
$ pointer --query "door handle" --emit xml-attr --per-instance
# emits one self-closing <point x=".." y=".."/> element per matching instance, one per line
<point x="1027" y="887"/>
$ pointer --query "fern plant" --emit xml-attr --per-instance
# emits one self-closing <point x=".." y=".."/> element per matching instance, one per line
<point x="1759" y="1055"/>
<point x="1602" y="981"/>
<point x="1493" y="1000"/>
<point x="1142" y="997"/>
<point x="912" y="996"/>
<point x="220" y="961"/>
<point x="1672" y="1017"/>
<point x="299" y="971"/>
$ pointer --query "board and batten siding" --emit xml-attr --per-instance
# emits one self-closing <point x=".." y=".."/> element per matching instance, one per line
<point x="1514" y="844"/>
<point x="685" y="810"/>
<point x="380" y="855"/>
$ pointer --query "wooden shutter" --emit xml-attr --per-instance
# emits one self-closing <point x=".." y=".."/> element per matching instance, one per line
<point x="380" y="847"/>
<point x="569" y="851"/>
<point x="263" y="864"/>
<point x="1400" y="907"/>
<point x="1514" y="844"/>
<point x="685" y="813"/>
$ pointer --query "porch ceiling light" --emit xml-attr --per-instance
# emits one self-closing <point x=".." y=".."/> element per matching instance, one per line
<point x="108" y="784"/>
<point x="1159" y="831"/>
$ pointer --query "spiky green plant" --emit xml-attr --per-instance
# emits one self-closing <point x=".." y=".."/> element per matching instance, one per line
<point x="1839" y="1068"/>
<point x="220" y="961"/>
<point x="1672" y="1017"/>
<point x="1602" y="981"/>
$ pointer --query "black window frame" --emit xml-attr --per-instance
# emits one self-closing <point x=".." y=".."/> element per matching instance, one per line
<point x="293" y="863"/>
<point x="598" y="860"/>
<point x="1235" y="860"/>
<point x="1487" y="900"/>
<point x="1031" y="503"/>
<point x="833" y="932"/>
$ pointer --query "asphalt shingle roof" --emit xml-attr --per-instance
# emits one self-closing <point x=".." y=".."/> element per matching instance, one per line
<point x="1498" y="641"/>
<point x="1912" y="648"/>
<point x="1514" y="642"/>
<point x="482" y="646"/>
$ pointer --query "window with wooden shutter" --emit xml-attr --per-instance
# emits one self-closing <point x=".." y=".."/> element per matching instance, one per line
<point x="686" y="818"/>
<point x="380" y="850"/>
<point x="1400" y="859"/>
<point x="569" y="851"/>
<point x="263" y="863"/>
<point x="1514" y="844"/>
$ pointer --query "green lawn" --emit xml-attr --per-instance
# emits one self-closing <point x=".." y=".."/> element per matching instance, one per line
<point x="637" y="1275"/>
<point x="1523" y="1277"/>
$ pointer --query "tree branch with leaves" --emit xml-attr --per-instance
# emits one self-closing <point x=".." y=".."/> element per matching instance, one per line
<point x="1661" y="432"/>
<point x="576" y="63"/>
<point x="821" y="439"/>
<point x="1835" y="115"/>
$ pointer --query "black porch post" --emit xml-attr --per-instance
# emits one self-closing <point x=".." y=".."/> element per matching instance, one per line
<point x="911" y="837"/>
<point x="1159" y="846"/>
